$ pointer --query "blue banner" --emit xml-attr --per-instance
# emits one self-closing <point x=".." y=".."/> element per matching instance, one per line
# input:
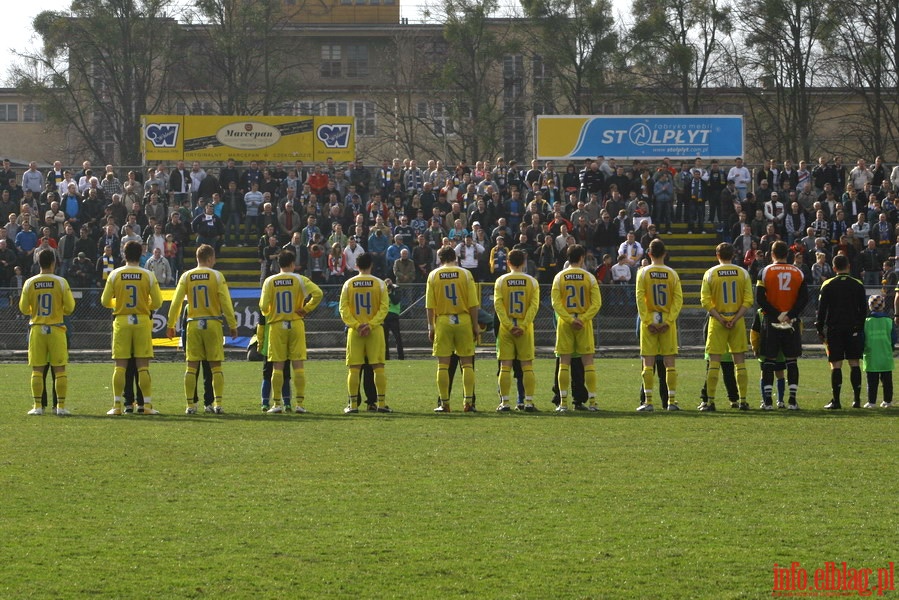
<point x="639" y="137"/>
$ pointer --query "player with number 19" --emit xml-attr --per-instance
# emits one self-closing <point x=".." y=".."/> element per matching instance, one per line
<point x="286" y="299"/>
<point x="576" y="300"/>
<point x="46" y="299"/>
<point x="363" y="307"/>
<point x="659" y="302"/>
<point x="133" y="294"/>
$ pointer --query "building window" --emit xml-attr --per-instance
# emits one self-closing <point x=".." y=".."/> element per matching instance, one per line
<point x="365" y="118"/>
<point x="540" y="72"/>
<point x="514" y="138"/>
<point x="283" y="110"/>
<point x="180" y="108"/>
<point x="357" y="60"/>
<point x="336" y="109"/>
<point x="544" y="108"/>
<point x="32" y="113"/>
<point x="437" y="116"/>
<point x="331" y="59"/>
<point x="9" y="112"/>
<point x="306" y="108"/>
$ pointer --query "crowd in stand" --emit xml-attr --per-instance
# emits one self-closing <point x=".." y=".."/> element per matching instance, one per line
<point x="403" y="213"/>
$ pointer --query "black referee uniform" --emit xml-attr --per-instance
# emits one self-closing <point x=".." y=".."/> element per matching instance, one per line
<point x="842" y="309"/>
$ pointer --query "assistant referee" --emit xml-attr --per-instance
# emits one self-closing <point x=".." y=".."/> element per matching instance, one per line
<point x="842" y="309"/>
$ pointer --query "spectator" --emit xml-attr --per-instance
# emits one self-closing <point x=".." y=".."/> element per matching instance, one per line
<point x="159" y="266"/>
<point x="336" y="265"/>
<point x="404" y="267"/>
<point x="81" y="274"/>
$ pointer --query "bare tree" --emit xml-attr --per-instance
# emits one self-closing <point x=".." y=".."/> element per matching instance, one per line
<point x="100" y="68"/>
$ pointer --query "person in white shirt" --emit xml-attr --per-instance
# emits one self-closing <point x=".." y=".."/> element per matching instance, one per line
<point x="350" y="254"/>
<point x="632" y="251"/>
<point x="468" y="253"/>
<point x="741" y="178"/>
<point x="33" y="180"/>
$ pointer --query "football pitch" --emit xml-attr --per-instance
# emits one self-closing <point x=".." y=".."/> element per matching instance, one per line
<point x="615" y="504"/>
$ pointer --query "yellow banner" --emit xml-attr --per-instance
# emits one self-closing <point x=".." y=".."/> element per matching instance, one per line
<point x="216" y="139"/>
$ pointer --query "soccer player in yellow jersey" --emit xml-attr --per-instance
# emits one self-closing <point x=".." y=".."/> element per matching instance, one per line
<point x="363" y="308"/>
<point x="659" y="302"/>
<point x="46" y="299"/>
<point x="133" y="294"/>
<point x="287" y="297"/>
<point x="726" y="294"/>
<point x="575" y="300"/>
<point x="516" y="299"/>
<point x="452" y="301"/>
<point x="208" y="305"/>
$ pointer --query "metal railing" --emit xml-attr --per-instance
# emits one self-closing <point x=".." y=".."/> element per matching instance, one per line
<point x="615" y="326"/>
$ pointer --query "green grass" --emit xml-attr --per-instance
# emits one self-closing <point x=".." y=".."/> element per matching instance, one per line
<point x="608" y="505"/>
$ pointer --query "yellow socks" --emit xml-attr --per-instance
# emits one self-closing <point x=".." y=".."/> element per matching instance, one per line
<point x="62" y="388"/>
<point x="37" y="387"/>
<point x="443" y="382"/>
<point x="530" y="382"/>
<point x="352" y="387"/>
<point x="671" y="380"/>
<point x="742" y="380"/>
<point x="590" y="382"/>
<point x="564" y="383"/>
<point x="467" y="383"/>
<point x="299" y="386"/>
<point x="504" y="382"/>
<point x="277" y="384"/>
<point x="711" y="381"/>
<point x="118" y="383"/>
<point x="646" y="374"/>
<point x="190" y="384"/>
<point x="381" y="386"/>
<point x="218" y="385"/>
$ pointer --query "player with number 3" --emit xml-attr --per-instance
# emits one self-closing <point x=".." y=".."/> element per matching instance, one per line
<point x="133" y="294"/>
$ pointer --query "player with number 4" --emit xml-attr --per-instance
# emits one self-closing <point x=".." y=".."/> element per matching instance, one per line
<point x="452" y="302"/>
<point x="659" y="302"/>
<point x="575" y="300"/>
<point x="286" y="299"/>
<point x="133" y="294"/>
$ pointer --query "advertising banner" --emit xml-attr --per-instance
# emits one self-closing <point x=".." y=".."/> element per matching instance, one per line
<point x="216" y="139"/>
<point x="639" y="137"/>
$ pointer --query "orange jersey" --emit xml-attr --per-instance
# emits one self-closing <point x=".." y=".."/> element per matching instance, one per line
<point x="781" y="282"/>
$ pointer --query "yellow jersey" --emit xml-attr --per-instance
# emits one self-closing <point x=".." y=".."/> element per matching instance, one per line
<point x="207" y="297"/>
<point x="516" y="299"/>
<point x="364" y="299"/>
<point x="46" y="298"/>
<point x="726" y="288"/>
<point x="131" y="290"/>
<point x="575" y="293"/>
<point x="659" y="293"/>
<point x="285" y="293"/>
<point x="451" y="290"/>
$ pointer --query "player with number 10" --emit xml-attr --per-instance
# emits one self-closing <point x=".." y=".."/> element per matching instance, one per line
<point x="286" y="299"/>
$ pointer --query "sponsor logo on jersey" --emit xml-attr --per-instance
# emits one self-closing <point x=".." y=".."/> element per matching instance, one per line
<point x="199" y="277"/>
<point x="450" y="275"/>
<point x="728" y="272"/>
<point x="574" y="277"/>
<point x="516" y="282"/>
<point x="283" y="282"/>
<point x="44" y="285"/>
<point x="132" y="276"/>
<point x="658" y="275"/>
<point x="363" y="283"/>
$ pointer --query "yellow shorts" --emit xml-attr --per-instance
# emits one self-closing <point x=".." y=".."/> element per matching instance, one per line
<point x="509" y="347"/>
<point x="205" y="341"/>
<point x="371" y="347"/>
<point x="453" y="333"/>
<point x="658" y="344"/>
<point x="569" y="341"/>
<point x="132" y="337"/>
<point x="287" y="341"/>
<point x="47" y="345"/>
<point x="721" y="340"/>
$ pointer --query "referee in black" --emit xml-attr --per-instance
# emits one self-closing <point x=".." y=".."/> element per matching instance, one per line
<point x="842" y="309"/>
